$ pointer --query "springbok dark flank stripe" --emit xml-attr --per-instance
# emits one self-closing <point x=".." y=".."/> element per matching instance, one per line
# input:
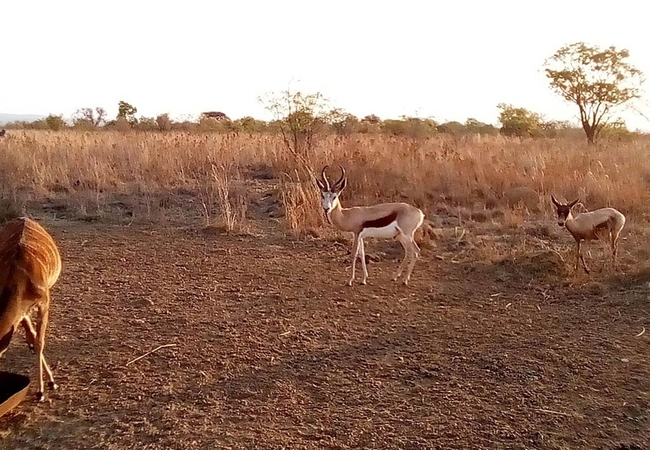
<point x="381" y="222"/>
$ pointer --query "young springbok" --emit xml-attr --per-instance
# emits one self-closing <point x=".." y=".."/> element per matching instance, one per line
<point x="384" y="221"/>
<point x="30" y="264"/>
<point x="590" y="226"/>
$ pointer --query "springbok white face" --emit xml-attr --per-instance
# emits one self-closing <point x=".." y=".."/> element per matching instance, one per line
<point x="329" y="200"/>
<point x="563" y="210"/>
<point x="330" y="194"/>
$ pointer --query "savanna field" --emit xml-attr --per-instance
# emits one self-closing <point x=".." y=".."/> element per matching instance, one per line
<point x="214" y="247"/>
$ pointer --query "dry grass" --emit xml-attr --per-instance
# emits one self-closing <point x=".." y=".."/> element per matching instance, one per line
<point x="146" y="174"/>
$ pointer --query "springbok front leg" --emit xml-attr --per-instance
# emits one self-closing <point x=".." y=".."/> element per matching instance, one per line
<point x="580" y="257"/>
<point x="44" y="313"/>
<point x="30" y="333"/>
<point x="355" y="254"/>
<point x="31" y="336"/>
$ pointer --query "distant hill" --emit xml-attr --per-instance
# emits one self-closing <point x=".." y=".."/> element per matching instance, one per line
<point x="6" y="118"/>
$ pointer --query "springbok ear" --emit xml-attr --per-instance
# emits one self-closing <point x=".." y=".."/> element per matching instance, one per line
<point x="572" y="204"/>
<point x="554" y="201"/>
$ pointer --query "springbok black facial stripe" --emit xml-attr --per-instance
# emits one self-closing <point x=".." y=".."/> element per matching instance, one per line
<point x="381" y="222"/>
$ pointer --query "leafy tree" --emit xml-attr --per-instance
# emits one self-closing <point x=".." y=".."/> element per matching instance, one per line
<point x="122" y="125"/>
<point x="343" y="123"/>
<point x="370" y="124"/>
<point x="127" y="112"/>
<point x="475" y="126"/>
<point x="372" y="118"/>
<point x="452" y="127"/>
<point x="413" y="127"/>
<point x="211" y="124"/>
<point x="301" y="119"/>
<point x="146" y="124"/>
<point x="248" y="124"/>
<point x="519" y="121"/>
<point x="54" y="122"/>
<point x="596" y="80"/>
<point x="164" y="122"/>
<point x="216" y="115"/>
<point x="89" y="117"/>
<point x="616" y="129"/>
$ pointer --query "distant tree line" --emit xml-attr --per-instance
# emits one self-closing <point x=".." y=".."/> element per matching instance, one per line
<point x="597" y="81"/>
<point x="513" y="121"/>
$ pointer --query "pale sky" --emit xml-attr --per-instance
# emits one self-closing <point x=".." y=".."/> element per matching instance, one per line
<point x="448" y="60"/>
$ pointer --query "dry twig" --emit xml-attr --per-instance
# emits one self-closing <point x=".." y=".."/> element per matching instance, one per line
<point x="150" y="352"/>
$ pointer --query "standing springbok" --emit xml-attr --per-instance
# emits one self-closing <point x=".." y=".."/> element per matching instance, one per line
<point x="30" y="264"/>
<point x="384" y="221"/>
<point x="590" y="226"/>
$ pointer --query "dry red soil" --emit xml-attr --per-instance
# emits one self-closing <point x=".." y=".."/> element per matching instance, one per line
<point x="273" y="350"/>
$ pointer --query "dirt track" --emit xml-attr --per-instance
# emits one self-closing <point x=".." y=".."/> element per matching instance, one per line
<point x="274" y="351"/>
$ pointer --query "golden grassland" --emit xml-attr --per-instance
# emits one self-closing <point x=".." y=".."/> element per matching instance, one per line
<point x="87" y="172"/>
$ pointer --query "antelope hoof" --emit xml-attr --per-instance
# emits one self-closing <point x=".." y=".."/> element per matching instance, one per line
<point x="350" y="283"/>
<point x="405" y="282"/>
<point x="39" y="396"/>
<point x="363" y="282"/>
<point x="52" y="385"/>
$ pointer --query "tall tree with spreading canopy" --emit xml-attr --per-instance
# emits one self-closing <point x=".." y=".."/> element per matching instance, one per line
<point x="126" y="112"/>
<point x="596" y="80"/>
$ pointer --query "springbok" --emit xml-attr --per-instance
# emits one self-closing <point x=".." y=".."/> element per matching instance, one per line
<point x="384" y="221"/>
<point x="590" y="226"/>
<point x="30" y="264"/>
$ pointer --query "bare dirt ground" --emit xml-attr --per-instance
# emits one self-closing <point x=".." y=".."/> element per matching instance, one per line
<point x="272" y="350"/>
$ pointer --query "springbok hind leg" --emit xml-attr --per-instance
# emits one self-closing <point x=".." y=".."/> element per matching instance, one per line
<point x="362" y="250"/>
<point x="415" y="252"/>
<point x="404" y="241"/>
<point x="614" y="244"/>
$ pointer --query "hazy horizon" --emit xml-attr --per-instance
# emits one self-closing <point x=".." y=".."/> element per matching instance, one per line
<point x="448" y="62"/>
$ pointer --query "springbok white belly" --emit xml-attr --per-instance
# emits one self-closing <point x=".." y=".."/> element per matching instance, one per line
<point x="389" y="231"/>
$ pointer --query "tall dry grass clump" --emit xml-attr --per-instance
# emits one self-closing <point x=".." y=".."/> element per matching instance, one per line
<point x="89" y="170"/>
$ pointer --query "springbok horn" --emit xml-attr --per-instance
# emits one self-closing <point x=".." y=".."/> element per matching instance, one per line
<point x="554" y="201"/>
<point x="327" y="183"/>
<point x="340" y="179"/>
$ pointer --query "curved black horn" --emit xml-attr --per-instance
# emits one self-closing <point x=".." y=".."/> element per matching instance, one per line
<point x="555" y="202"/>
<point x="342" y="176"/>
<point x="327" y="183"/>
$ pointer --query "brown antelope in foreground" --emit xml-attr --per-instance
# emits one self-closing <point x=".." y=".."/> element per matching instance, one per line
<point x="384" y="221"/>
<point x="30" y="264"/>
<point x="590" y="226"/>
